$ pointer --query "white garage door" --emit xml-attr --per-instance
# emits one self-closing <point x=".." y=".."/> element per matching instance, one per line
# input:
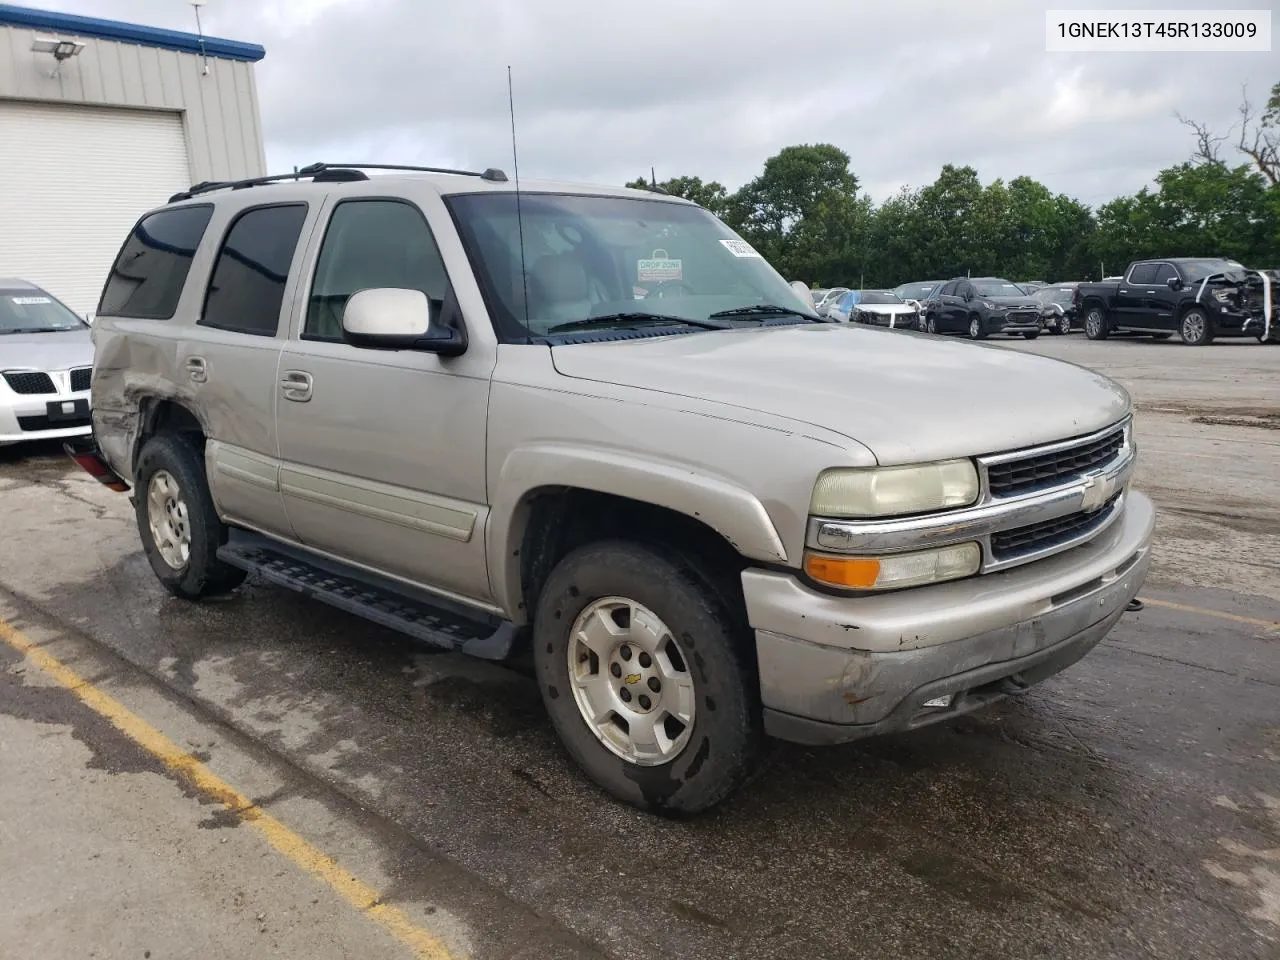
<point x="73" y="180"/>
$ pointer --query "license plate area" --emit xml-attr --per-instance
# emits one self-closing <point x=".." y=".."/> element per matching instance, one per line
<point x="61" y="411"/>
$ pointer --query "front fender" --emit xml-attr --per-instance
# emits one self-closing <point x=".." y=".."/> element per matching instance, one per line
<point x="730" y="510"/>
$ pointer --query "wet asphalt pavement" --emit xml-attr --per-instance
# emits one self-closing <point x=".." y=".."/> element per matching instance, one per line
<point x="1129" y="807"/>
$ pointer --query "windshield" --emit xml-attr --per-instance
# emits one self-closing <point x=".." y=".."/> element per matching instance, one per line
<point x="997" y="288"/>
<point x="1199" y="269"/>
<point x="588" y="256"/>
<point x="878" y="296"/>
<point x="915" y="291"/>
<point x="33" y="311"/>
<point x="1056" y="294"/>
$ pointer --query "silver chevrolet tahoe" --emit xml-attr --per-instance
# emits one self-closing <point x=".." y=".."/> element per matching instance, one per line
<point x="592" y="426"/>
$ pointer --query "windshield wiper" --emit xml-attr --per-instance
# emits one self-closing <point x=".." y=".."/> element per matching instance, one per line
<point x="764" y="310"/>
<point x="630" y="317"/>
<point x="36" y="329"/>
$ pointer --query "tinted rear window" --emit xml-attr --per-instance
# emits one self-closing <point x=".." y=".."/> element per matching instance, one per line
<point x="247" y="286"/>
<point x="147" y="278"/>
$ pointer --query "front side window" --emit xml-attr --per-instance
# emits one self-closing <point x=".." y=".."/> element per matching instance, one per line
<point x="29" y="310"/>
<point x="371" y="244"/>
<point x="950" y="290"/>
<point x="1165" y="273"/>
<point x="590" y="257"/>
<point x="247" y="286"/>
<point x="147" y="278"/>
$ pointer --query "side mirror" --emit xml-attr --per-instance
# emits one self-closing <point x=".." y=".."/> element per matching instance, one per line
<point x="391" y="318"/>
<point x="1175" y="283"/>
<point x="968" y="295"/>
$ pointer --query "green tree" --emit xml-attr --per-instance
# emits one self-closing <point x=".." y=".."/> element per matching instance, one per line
<point x="809" y="185"/>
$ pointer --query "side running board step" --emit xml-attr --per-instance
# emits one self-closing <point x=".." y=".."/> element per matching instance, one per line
<point x="432" y="621"/>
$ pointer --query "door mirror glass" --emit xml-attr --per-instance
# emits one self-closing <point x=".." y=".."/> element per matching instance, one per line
<point x="393" y="318"/>
<point x="1174" y="283"/>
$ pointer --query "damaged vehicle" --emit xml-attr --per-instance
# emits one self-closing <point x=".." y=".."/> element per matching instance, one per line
<point x="708" y="516"/>
<point x="1197" y="298"/>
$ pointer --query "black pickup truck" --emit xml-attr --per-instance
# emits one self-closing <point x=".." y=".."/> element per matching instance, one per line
<point x="1197" y="298"/>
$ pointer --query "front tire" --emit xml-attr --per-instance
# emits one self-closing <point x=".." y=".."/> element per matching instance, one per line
<point x="931" y="324"/>
<point x="976" y="331"/>
<point x="1195" y="328"/>
<point x="644" y="671"/>
<point x="177" y="522"/>
<point x="1095" y="324"/>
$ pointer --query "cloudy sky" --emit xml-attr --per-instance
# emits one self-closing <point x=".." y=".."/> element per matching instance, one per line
<point x="605" y="89"/>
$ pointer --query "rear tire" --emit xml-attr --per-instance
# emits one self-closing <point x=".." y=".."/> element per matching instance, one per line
<point x="177" y="522"/>
<point x="640" y="638"/>
<point x="1095" y="324"/>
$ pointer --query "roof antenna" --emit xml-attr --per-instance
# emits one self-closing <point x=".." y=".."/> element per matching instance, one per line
<point x="515" y="161"/>
<point x="653" y="178"/>
<point x="196" y="5"/>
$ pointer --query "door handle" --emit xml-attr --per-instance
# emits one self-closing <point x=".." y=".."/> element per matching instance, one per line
<point x="296" y="385"/>
<point x="196" y="369"/>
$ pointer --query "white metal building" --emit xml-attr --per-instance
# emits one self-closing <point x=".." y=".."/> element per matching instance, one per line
<point x="102" y="120"/>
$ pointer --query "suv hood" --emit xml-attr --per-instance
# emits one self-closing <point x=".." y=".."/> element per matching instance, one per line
<point x="909" y="398"/>
<point x="46" y="351"/>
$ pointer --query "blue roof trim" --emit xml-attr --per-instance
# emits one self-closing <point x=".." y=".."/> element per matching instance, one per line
<point x="75" y="25"/>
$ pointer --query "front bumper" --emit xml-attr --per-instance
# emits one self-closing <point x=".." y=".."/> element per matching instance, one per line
<point x="24" y="417"/>
<point x="1020" y="324"/>
<point x="834" y="669"/>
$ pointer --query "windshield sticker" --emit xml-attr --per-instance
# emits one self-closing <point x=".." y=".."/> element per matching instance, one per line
<point x="658" y="269"/>
<point x="740" y="248"/>
<point x="27" y="301"/>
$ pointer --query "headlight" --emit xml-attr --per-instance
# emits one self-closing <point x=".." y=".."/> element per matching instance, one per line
<point x="991" y="306"/>
<point x="1222" y="296"/>
<point x="894" y="491"/>
<point x="895" y="571"/>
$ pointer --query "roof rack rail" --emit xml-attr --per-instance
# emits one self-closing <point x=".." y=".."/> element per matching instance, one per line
<point x="329" y="173"/>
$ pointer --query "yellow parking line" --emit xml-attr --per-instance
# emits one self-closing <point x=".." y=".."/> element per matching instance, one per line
<point x="1270" y="626"/>
<point x="360" y="895"/>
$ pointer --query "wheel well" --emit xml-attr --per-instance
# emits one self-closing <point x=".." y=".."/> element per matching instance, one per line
<point x="562" y="520"/>
<point x="166" y="416"/>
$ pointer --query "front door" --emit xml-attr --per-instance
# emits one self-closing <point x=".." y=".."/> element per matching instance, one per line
<point x="383" y="451"/>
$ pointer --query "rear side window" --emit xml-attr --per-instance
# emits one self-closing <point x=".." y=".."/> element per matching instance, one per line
<point x="147" y="278"/>
<point x="1143" y="273"/>
<point x="371" y="244"/>
<point x="247" y="285"/>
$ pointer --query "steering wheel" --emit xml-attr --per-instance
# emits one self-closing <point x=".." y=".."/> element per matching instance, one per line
<point x="664" y="285"/>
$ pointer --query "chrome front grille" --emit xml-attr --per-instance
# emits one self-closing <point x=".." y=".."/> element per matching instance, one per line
<point x="1013" y="476"/>
<point x="1035" y="502"/>
<point x="1051" y="535"/>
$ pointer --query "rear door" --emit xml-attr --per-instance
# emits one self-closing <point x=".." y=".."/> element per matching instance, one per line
<point x="1133" y="295"/>
<point x="1162" y="299"/>
<point x="383" y="451"/>
<point x="230" y="359"/>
